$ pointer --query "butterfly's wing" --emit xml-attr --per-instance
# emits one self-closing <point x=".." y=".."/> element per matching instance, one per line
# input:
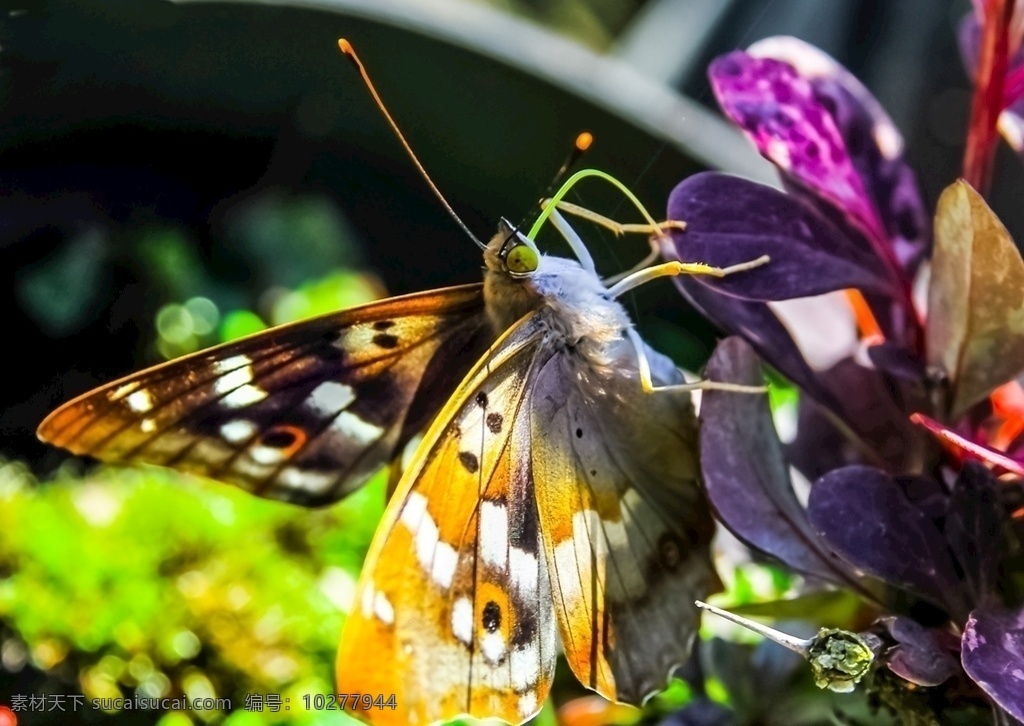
<point x="453" y="611"/>
<point x="304" y="412"/>
<point x="625" y="524"/>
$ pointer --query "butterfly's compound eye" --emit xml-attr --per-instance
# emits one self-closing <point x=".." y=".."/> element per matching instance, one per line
<point x="521" y="260"/>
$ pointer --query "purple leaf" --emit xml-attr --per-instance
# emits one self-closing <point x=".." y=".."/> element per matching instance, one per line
<point x="745" y="474"/>
<point x="993" y="655"/>
<point x="778" y="109"/>
<point x="876" y="430"/>
<point x="731" y="220"/>
<point x="873" y="406"/>
<point x="921" y="655"/>
<point x="897" y="361"/>
<point x="926" y="494"/>
<point x="865" y="517"/>
<point x="872" y="141"/>
<point x="819" y="446"/>
<point x="973" y="529"/>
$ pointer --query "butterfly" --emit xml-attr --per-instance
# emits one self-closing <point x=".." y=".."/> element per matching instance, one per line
<point x="553" y="503"/>
<point x="551" y="498"/>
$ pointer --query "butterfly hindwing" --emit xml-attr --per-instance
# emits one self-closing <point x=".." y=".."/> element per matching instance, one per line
<point x="304" y="412"/>
<point x="626" y="528"/>
<point x="454" y="602"/>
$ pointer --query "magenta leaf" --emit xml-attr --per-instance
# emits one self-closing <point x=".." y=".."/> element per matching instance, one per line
<point x="780" y="112"/>
<point x="872" y="142"/>
<point x="730" y="220"/>
<point x="745" y="474"/>
<point x="966" y="450"/>
<point x="993" y="655"/>
<point x="866" y="518"/>
<point x="1011" y="120"/>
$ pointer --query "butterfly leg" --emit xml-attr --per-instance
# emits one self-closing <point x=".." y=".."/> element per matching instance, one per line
<point x="574" y="240"/>
<point x="647" y="383"/>
<point x="671" y="269"/>
<point x="655" y="231"/>
<point x="618" y="228"/>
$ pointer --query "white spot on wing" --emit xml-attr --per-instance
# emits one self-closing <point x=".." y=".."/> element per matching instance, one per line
<point x="443" y="568"/>
<point x="628" y="576"/>
<point x="575" y="554"/>
<point x="494" y="533"/>
<point x="355" y="429"/>
<point x="565" y="563"/>
<point x="330" y="397"/>
<point x="492" y="645"/>
<point x="426" y="541"/>
<point x="314" y="482"/>
<point x="121" y="391"/>
<point x="412" y="512"/>
<point x="235" y="383"/>
<point x="524" y="664"/>
<point x="522" y="568"/>
<point x="233" y="379"/>
<point x="141" y="401"/>
<point x="230" y="364"/>
<point x="244" y="396"/>
<point x="631" y="499"/>
<point x="148" y="425"/>
<point x="615" y="531"/>
<point x="382" y="608"/>
<point x="528" y="704"/>
<point x="266" y="455"/>
<point x="252" y="469"/>
<point x="436" y="557"/>
<point x="462" y="620"/>
<point x="238" y="430"/>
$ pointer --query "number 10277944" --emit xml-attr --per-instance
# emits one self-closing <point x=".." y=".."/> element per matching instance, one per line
<point x="354" y="701"/>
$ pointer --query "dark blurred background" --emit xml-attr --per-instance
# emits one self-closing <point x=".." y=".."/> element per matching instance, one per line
<point x="153" y="153"/>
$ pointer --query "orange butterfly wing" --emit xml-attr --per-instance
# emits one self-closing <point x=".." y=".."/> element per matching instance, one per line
<point x="453" y="611"/>
<point x="304" y="412"/>
<point x="625" y="524"/>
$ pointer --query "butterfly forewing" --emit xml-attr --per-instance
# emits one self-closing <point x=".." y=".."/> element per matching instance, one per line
<point x="304" y="412"/>
<point x="453" y="612"/>
<point x="626" y="529"/>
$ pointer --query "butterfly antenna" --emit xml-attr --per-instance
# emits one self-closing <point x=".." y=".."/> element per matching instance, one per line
<point x="580" y="146"/>
<point x="350" y="53"/>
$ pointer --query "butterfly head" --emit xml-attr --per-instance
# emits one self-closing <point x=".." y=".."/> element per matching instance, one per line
<point x="511" y="253"/>
<point x="511" y="262"/>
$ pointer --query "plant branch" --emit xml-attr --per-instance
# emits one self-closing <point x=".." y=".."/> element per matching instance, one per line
<point x="987" y="104"/>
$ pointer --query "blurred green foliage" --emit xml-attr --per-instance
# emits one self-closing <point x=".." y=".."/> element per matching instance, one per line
<point x="139" y="581"/>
